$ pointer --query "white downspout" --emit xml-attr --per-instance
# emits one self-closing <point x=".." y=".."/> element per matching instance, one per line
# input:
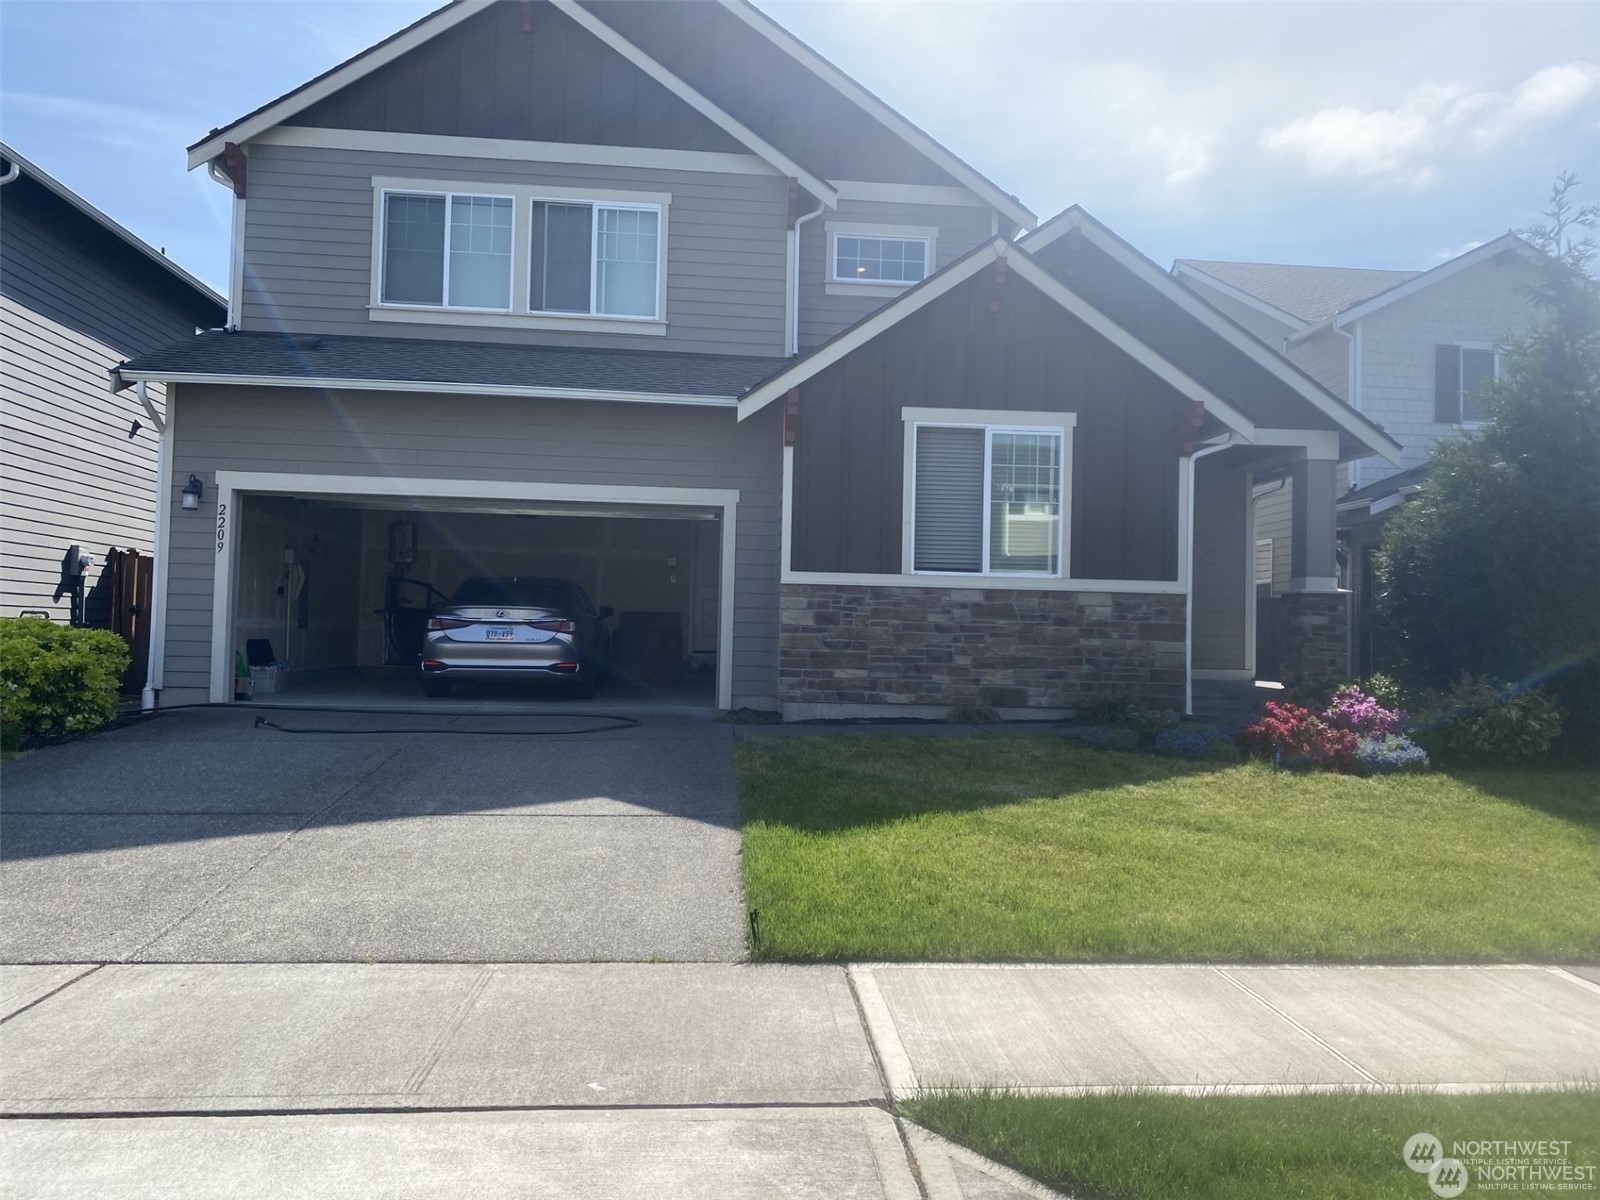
<point x="1352" y="385"/>
<point x="794" y="282"/>
<point x="1188" y="574"/>
<point x="157" y="615"/>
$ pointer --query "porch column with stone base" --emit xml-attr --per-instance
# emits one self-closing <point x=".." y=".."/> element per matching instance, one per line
<point x="1314" y="615"/>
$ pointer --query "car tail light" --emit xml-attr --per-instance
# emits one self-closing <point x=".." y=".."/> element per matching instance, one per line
<point x="437" y="623"/>
<point x="564" y="668"/>
<point x="432" y="664"/>
<point x="561" y="626"/>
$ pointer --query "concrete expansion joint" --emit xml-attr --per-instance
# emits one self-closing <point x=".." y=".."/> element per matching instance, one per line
<point x="1296" y="1025"/>
<point x="55" y="991"/>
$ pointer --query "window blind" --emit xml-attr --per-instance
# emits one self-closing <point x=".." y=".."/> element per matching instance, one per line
<point x="949" y="500"/>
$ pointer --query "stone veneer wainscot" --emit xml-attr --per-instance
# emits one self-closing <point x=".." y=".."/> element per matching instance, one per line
<point x="1005" y="647"/>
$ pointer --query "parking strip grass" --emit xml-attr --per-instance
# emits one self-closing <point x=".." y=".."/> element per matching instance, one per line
<point x="1329" y="1146"/>
<point x="861" y="848"/>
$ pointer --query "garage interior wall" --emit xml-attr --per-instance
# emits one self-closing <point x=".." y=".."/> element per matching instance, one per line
<point x="631" y="564"/>
<point x="325" y="544"/>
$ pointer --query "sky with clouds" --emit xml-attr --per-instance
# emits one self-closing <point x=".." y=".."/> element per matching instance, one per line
<point x="1386" y="135"/>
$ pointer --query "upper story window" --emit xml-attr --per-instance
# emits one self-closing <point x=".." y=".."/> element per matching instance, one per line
<point x="1460" y="376"/>
<point x="878" y="260"/>
<point x="601" y="259"/>
<point x="447" y="251"/>
<point x="520" y="256"/>
<point x="987" y="499"/>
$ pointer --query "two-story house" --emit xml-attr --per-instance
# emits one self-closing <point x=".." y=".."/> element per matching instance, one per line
<point x="1406" y="349"/>
<point x="654" y="298"/>
<point x="79" y="294"/>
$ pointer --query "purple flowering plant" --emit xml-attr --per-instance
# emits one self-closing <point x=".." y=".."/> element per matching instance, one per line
<point x="1351" y="708"/>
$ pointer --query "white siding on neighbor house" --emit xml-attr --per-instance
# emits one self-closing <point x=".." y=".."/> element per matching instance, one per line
<point x="823" y="315"/>
<point x="1269" y="329"/>
<point x="1481" y="304"/>
<point x="308" y="247"/>
<point x="390" y="435"/>
<point x="1224" y="565"/>
<point x="71" y="474"/>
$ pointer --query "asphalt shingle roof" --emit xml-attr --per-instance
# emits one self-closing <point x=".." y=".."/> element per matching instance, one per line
<point x="480" y="364"/>
<point x="1311" y="293"/>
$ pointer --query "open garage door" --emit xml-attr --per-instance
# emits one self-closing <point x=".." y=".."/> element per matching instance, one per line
<point x="330" y="596"/>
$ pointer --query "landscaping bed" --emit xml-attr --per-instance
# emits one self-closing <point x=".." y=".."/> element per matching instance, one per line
<point x="859" y="847"/>
<point x="1332" y="1146"/>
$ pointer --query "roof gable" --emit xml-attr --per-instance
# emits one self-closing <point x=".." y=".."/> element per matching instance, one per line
<point x="733" y="68"/>
<point x="531" y="75"/>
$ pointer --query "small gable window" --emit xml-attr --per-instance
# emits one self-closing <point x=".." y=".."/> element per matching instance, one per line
<point x="447" y="251"/>
<point x="1461" y="374"/>
<point x="878" y="259"/>
<point x="988" y="499"/>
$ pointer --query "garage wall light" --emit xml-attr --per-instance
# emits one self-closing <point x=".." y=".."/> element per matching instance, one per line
<point x="192" y="491"/>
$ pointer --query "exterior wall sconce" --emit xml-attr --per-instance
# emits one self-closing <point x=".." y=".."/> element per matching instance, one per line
<point x="192" y="491"/>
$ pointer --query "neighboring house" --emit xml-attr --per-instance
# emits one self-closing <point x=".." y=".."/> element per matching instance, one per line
<point x="78" y="295"/>
<point x="654" y="298"/>
<point x="1406" y="349"/>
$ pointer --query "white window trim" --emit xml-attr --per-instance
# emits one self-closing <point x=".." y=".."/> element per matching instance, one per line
<point x="519" y="316"/>
<point x="836" y="285"/>
<point x="1461" y="379"/>
<point x="990" y="421"/>
<point x="449" y="196"/>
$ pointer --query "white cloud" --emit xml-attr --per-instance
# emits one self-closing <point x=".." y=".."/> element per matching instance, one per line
<point x="1352" y="141"/>
<point x="1402" y="145"/>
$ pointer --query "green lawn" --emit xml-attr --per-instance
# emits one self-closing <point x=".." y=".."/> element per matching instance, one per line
<point x="1338" y="1146"/>
<point x="1025" y="848"/>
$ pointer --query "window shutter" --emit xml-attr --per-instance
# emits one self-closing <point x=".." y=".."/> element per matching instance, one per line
<point x="1447" y="385"/>
<point x="949" y="500"/>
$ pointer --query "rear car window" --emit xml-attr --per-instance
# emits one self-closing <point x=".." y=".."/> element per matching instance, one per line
<point x="512" y="593"/>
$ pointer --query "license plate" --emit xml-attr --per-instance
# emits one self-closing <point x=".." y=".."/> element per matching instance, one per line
<point x="499" y="633"/>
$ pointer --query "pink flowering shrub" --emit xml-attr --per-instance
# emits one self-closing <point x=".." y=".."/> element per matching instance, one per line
<point x="1351" y="708"/>
<point x="1299" y="737"/>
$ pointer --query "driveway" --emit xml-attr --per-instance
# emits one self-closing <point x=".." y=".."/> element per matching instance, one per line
<point x="401" y="837"/>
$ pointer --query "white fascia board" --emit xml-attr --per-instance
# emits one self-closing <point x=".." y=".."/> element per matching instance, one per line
<point x="1173" y="376"/>
<point x="1318" y="397"/>
<point x="679" y="88"/>
<point x="1472" y="258"/>
<point x="1184" y="270"/>
<point x="511" y="150"/>
<point x="1009" y="205"/>
<point x="859" y="335"/>
<point x="304" y="97"/>
<point x="429" y="387"/>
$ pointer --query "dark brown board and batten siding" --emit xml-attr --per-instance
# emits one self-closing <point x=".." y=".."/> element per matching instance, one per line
<point x="1165" y="327"/>
<point x="955" y="353"/>
<point x="488" y="78"/>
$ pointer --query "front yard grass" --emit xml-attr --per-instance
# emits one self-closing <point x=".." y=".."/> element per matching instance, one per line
<point x="1030" y="849"/>
<point x="1334" y="1146"/>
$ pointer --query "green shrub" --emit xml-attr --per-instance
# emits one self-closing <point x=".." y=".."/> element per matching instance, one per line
<point x="1122" y="710"/>
<point x="1479" y="722"/>
<point x="55" y="679"/>
<point x="973" y="714"/>
<point x="1317" y="694"/>
<point x="1201" y="743"/>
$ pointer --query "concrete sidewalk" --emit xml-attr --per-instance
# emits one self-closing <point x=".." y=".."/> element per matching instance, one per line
<point x="733" y="1080"/>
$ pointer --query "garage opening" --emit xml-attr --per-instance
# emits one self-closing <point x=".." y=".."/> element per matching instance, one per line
<point x="333" y="598"/>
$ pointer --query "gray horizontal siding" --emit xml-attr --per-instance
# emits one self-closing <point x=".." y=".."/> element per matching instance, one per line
<point x="821" y="315"/>
<point x="71" y="475"/>
<point x="308" y="247"/>
<point x="475" y="438"/>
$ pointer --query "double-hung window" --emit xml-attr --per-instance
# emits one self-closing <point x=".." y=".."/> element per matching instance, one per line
<point x="988" y="499"/>
<point x="1460" y="375"/>
<point x="447" y="250"/>
<point x="595" y="259"/>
